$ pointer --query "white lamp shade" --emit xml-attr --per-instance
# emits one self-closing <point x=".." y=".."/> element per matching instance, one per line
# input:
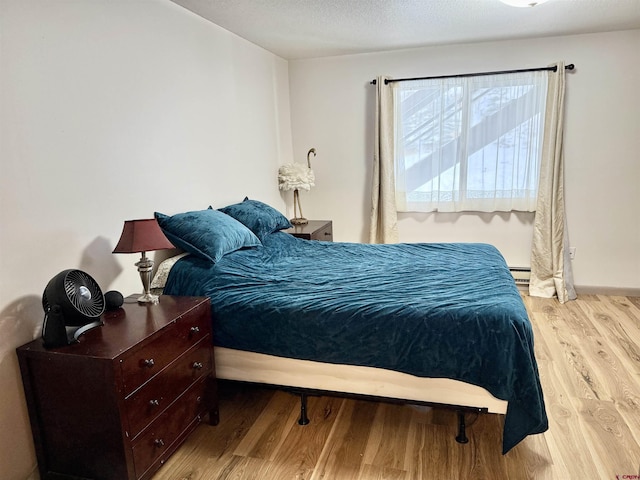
<point x="292" y="176"/>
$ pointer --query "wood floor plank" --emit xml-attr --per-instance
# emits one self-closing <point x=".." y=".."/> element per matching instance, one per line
<point x="245" y="468"/>
<point x="240" y="406"/>
<point x="388" y="437"/>
<point x="270" y="428"/>
<point x="301" y="450"/>
<point x="532" y="459"/>
<point x="619" y="332"/>
<point x="629" y="309"/>
<point x="564" y="350"/>
<point x="569" y="446"/>
<point x="478" y="459"/>
<point x="604" y="427"/>
<point x="614" y="376"/>
<point x="634" y="300"/>
<point x="370" y="472"/>
<point x="576" y="321"/>
<point x="588" y="353"/>
<point x="342" y="457"/>
<point x="435" y="454"/>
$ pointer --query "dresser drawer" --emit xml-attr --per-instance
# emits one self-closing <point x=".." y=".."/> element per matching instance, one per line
<point x="324" y="234"/>
<point x="160" y="439"/>
<point x="146" y="403"/>
<point x="313" y="230"/>
<point x="174" y="340"/>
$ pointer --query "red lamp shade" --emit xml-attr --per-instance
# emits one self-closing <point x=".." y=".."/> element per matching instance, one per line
<point x="142" y="236"/>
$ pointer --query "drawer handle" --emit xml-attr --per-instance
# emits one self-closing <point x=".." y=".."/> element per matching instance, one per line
<point x="197" y="365"/>
<point x="195" y="330"/>
<point x="148" y="362"/>
<point x="154" y="403"/>
<point x="158" y="442"/>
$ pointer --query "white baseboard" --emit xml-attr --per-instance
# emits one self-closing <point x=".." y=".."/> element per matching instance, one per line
<point x="613" y="291"/>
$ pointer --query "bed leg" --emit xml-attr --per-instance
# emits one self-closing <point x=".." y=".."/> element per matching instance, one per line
<point x="304" y="420"/>
<point x="462" y="435"/>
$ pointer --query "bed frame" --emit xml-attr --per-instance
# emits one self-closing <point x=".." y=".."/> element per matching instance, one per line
<point x="306" y="377"/>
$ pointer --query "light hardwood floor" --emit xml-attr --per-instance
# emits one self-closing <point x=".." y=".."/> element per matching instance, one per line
<point x="588" y="355"/>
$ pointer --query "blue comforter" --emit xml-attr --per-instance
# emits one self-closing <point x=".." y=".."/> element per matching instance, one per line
<point x="430" y="310"/>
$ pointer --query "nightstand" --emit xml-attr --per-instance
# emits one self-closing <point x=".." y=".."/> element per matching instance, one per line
<point x="314" y="230"/>
<point x="119" y="402"/>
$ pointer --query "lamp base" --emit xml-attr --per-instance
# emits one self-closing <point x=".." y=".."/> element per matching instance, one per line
<point x="145" y="268"/>
<point x="297" y="220"/>
<point x="148" y="298"/>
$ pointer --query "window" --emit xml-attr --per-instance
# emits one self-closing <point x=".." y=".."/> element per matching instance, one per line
<point x="469" y="143"/>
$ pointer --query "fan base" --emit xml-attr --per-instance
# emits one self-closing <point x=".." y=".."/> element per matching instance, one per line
<point x="83" y="329"/>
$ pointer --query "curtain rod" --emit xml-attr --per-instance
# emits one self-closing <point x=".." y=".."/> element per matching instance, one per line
<point x="571" y="66"/>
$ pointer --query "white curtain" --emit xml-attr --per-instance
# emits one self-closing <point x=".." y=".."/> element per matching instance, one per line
<point x="469" y="143"/>
<point x="384" y="218"/>
<point x="551" y="272"/>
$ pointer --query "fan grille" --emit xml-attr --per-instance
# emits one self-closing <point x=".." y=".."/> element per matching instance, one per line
<point x="84" y="293"/>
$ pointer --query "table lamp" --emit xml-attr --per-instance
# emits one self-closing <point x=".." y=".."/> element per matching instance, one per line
<point x="293" y="176"/>
<point x="142" y="236"/>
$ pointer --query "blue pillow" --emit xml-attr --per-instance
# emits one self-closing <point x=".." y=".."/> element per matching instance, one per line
<point x="209" y="234"/>
<point x="258" y="217"/>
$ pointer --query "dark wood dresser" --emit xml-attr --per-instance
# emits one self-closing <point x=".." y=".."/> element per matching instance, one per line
<point x="314" y="230"/>
<point x="117" y="404"/>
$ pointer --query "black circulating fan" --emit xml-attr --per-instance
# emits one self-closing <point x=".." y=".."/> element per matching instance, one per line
<point x="73" y="304"/>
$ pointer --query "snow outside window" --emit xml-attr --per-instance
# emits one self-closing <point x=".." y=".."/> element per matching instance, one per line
<point x="469" y="143"/>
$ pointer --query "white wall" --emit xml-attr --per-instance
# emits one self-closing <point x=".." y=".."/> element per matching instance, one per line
<point x="111" y="110"/>
<point x="332" y="109"/>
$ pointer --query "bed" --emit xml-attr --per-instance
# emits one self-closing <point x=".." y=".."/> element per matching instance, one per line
<point x="426" y="323"/>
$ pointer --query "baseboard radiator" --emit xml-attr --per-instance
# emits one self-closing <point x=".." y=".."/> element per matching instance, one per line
<point x="521" y="275"/>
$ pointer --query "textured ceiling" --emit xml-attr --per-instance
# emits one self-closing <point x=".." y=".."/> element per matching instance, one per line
<point x="296" y="29"/>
